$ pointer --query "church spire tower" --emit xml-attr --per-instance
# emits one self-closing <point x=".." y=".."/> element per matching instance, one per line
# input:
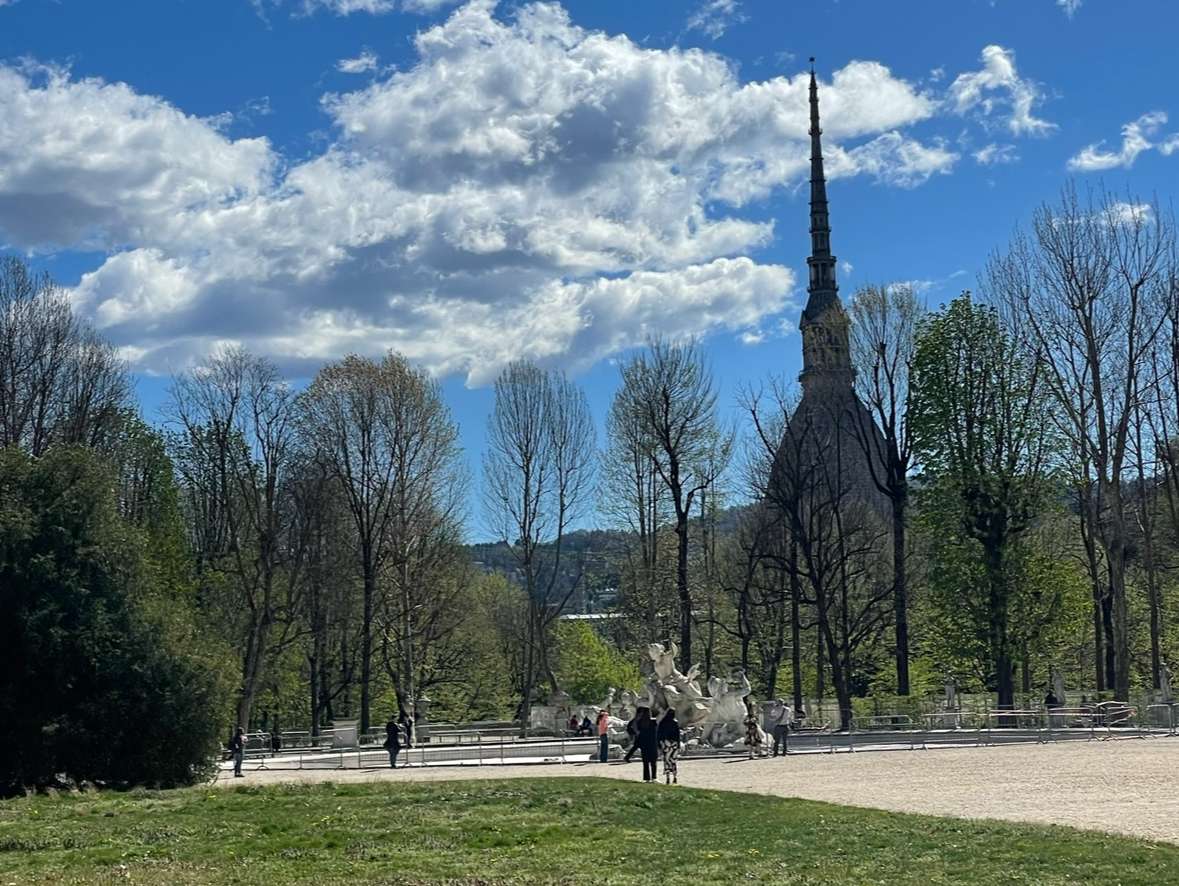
<point x="826" y="352"/>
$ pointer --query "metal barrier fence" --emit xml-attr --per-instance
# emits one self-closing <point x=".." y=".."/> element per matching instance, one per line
<point x="555" y="750"/>
<point x="1101" y="721"/>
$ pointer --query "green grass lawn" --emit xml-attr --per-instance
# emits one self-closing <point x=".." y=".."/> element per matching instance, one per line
<point x="583" y="831"/>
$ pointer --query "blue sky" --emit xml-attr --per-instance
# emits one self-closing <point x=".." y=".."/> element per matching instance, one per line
<point x="471" y="183"/>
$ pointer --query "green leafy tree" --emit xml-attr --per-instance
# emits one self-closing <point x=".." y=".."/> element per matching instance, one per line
<point x="588" y="666"/>
<point x="103" y="675"/>
<point x="981" y="431"/>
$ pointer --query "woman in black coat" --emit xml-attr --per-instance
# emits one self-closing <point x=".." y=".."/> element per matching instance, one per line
<point x="647" y="738"/>
<point x="669" y="746"/>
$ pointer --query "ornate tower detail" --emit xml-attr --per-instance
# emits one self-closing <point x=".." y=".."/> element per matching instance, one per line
<point x="826" y="352"/>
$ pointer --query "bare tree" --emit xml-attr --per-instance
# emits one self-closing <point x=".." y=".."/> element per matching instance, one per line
<point x="237" y="448"/>
<point x="538" y="474"/>
<point x="832" y="532"/>
<point x="382" y="430"/>
<point x="883" y="332"/>
<point x="669" y="392"/>
<point x="1089" y="286"/>
<point x="634" y="499"/>
<point x="59" y="382"/>
<point x="424" y="524"/>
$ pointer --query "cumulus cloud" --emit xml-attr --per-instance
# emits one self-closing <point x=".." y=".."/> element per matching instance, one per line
<point x="1125" y="213"/>
<point x="347" y="7"/>
<point x="1137" y="136"/>
<point x="97" y="165"/>
<point x="526" y="188"/>
<point x="713" y="17"/>
<point x="995" y="154"/>
<point x="361" y="64"/>
<point x="998" y="89"/>
<point x="350" y="7"/>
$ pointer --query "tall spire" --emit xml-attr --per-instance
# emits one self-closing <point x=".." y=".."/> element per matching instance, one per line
<point x="826" y="352"/>
<point x="821" y="262"/>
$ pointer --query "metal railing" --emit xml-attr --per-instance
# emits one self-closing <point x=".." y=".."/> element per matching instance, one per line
<point x="498" y="752"/>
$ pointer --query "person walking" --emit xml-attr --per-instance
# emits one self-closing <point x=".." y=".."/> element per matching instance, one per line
<point x="781" y="728"/>
<point x="753" y="733"/>
<point x="393" y="741"/>
<point x="647" y="738"/>
<point x="237" y="747"/>
<point x="406" y="723"/>
<point x="603" y="735"/>
<point x="632" y="734"/>
<point x="669" y="746"/>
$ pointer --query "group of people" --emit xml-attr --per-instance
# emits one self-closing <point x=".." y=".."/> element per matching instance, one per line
<point x="653" y="739"/>
<point x="585" y="727"/>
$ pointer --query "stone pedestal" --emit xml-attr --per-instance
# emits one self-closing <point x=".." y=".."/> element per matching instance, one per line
<point x="547" y="718"/>
<point x="421" y="720"/>
<point x="345" y="733"/>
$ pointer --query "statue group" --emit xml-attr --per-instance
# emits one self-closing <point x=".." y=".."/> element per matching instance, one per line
<point x="718" y="718"/>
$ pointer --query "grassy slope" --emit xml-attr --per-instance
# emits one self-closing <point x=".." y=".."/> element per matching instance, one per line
<point x="547" y="830"/>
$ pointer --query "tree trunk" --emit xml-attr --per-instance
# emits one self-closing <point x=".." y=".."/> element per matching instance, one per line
<point x="900" y="595"/>
<point x="1107" y="630"/>
<point x="685" y="594"/>
<point x="1146" y="522"/>
<point x="999" y="638"/>
<point x="840" y="675"/>
<point x="407" y="645"/>
<point x="779" y="642"/>
<point x="1113" y="539"/>
<point x="795" y="633"/>
<point x="251" y="670"/>
<point x="313" y="691"/>
<point x="528" y="678"/>
<point x="366" y="644"/>
<point x="1098" y="645"/>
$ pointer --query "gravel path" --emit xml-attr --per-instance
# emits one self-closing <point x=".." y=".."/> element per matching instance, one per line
<point x="1128" y="786"/>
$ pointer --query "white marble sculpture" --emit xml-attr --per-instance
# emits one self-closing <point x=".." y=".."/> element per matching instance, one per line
<point x="1058" y="686"/>
<point x="718" y="718"/>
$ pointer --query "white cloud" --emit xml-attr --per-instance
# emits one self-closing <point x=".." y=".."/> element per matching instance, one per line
<point x="1070" y="7"/>
<point x="1137" y="136"/>
<point x="847" y="268"/>
<point x="87" y="163"/>
<point x="998" y="87"/>
<point x="896" y="160"/>
<point x="714" y="17"/>
<point x="347" y="7"/>
<point x="527" y="188"/>
<point x="425" y="7"/>
<point x="1126" y="213"/>
<point x="994" y="154"/>
<point x="361" y="64"/>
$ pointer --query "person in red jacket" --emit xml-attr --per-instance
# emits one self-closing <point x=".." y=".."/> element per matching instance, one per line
<point x="604" y="735"/>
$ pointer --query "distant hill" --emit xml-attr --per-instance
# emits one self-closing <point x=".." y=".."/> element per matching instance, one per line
<point x="591" y="554"/>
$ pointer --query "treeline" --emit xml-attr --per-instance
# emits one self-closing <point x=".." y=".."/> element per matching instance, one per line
<point x="300" y="554"/>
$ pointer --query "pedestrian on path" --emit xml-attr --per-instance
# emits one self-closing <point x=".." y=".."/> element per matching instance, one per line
<point x="603" y="735"/>
<point x="753" y="731"/>
<point x="393" y="741"/>
<point x="632" y="734"/>
<point x="669" y="746"/>
<point x="237" y="747"/>
<point x="647" y="733"/>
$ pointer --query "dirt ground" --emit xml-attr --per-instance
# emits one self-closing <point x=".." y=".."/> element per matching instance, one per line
<point x="1127" y="786"/>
